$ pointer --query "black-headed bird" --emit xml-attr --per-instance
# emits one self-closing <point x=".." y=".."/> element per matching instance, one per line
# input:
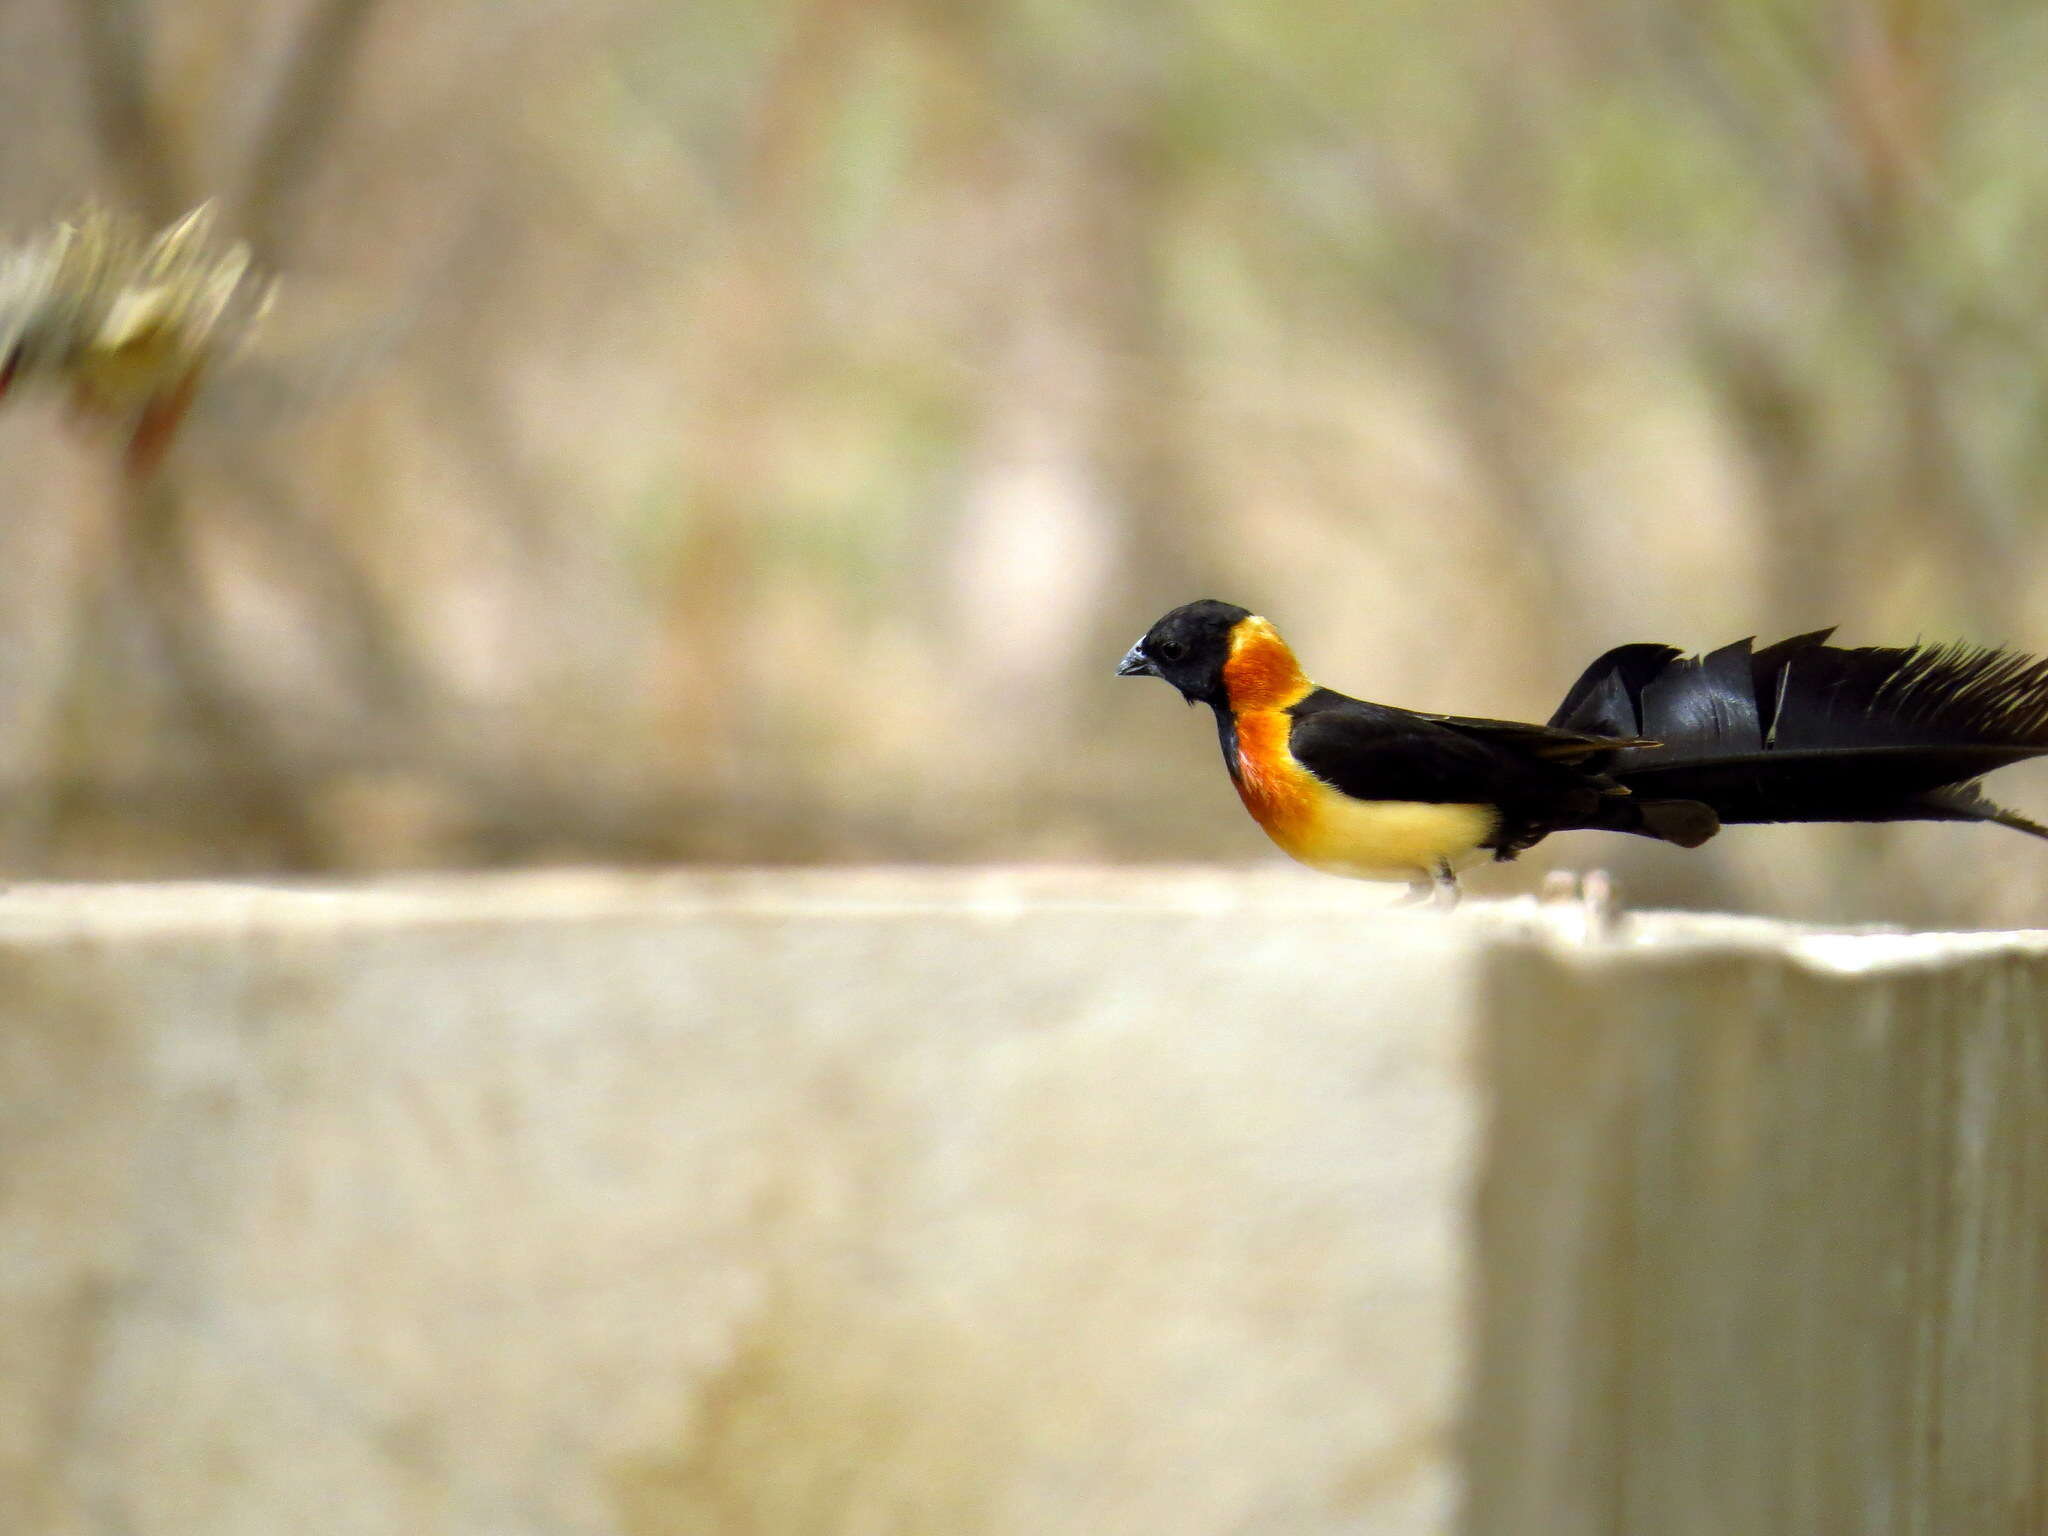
<point x="1647" y="741"/>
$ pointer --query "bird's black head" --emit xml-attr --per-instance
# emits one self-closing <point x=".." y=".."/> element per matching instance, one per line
<point x="1188" y="648"/>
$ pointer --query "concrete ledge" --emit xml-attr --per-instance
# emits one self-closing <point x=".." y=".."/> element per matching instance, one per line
<point x="1007" y="1201"/>
<point x="1761" y="1243"/>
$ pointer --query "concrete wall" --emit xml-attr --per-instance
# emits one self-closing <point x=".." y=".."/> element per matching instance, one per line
<point x="1007" y="1203"/>
<point x="1762" y="1240"/>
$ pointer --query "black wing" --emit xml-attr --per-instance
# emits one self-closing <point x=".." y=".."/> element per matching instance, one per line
<point x="1375" y="752"/>
<point x="1545" y="741"/>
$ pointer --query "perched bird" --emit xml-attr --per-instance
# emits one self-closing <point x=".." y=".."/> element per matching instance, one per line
<point x="1647" y="741"/>
<point x="127" y="324"/>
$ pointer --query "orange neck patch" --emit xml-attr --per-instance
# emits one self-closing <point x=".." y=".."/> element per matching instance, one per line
<point x="1276" y="789"/>
<point x="1260" y="679"/>
<point x="1261" y="672"/>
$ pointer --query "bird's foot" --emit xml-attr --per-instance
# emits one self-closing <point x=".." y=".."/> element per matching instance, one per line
<point x="1440" y="890"/>
<point x="1595" y="893"/>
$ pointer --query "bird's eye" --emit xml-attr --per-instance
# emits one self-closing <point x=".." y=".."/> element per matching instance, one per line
<point x="1170" y="650"/>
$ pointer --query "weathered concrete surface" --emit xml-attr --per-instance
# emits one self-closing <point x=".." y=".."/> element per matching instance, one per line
<point x="1762" y="1243"/>
<point x="1007" y="1203"/>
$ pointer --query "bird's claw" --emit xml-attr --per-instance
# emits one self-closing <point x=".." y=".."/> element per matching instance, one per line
<point x="1595" y="893"/>
<point x="1440" y="890"/>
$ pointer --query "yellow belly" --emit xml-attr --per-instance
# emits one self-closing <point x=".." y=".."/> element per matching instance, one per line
<point x="1328" y="830"/>
<point x="1384" y="839"/>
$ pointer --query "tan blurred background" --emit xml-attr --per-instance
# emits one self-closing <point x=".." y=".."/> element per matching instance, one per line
<point x="751" y="432"/>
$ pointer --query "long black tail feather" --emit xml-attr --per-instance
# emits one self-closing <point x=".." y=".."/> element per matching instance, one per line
<point x="1966" y="802"/>
<point x="1806" y="731"/>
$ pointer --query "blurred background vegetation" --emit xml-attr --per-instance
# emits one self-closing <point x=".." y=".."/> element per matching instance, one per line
<point x="750" y="431"/>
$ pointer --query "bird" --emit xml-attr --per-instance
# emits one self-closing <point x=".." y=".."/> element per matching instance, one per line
<point x="126" y="324"/>
<point x="1649" y="741"/>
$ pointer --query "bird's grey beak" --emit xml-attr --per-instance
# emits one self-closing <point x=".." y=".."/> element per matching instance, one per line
<point x="1136" y="664"/>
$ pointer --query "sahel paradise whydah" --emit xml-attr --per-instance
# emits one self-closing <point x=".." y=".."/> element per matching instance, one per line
<point x="1648" y="741"/>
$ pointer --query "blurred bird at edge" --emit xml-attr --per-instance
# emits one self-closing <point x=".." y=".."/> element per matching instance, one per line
<point x="127" y="324"/>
